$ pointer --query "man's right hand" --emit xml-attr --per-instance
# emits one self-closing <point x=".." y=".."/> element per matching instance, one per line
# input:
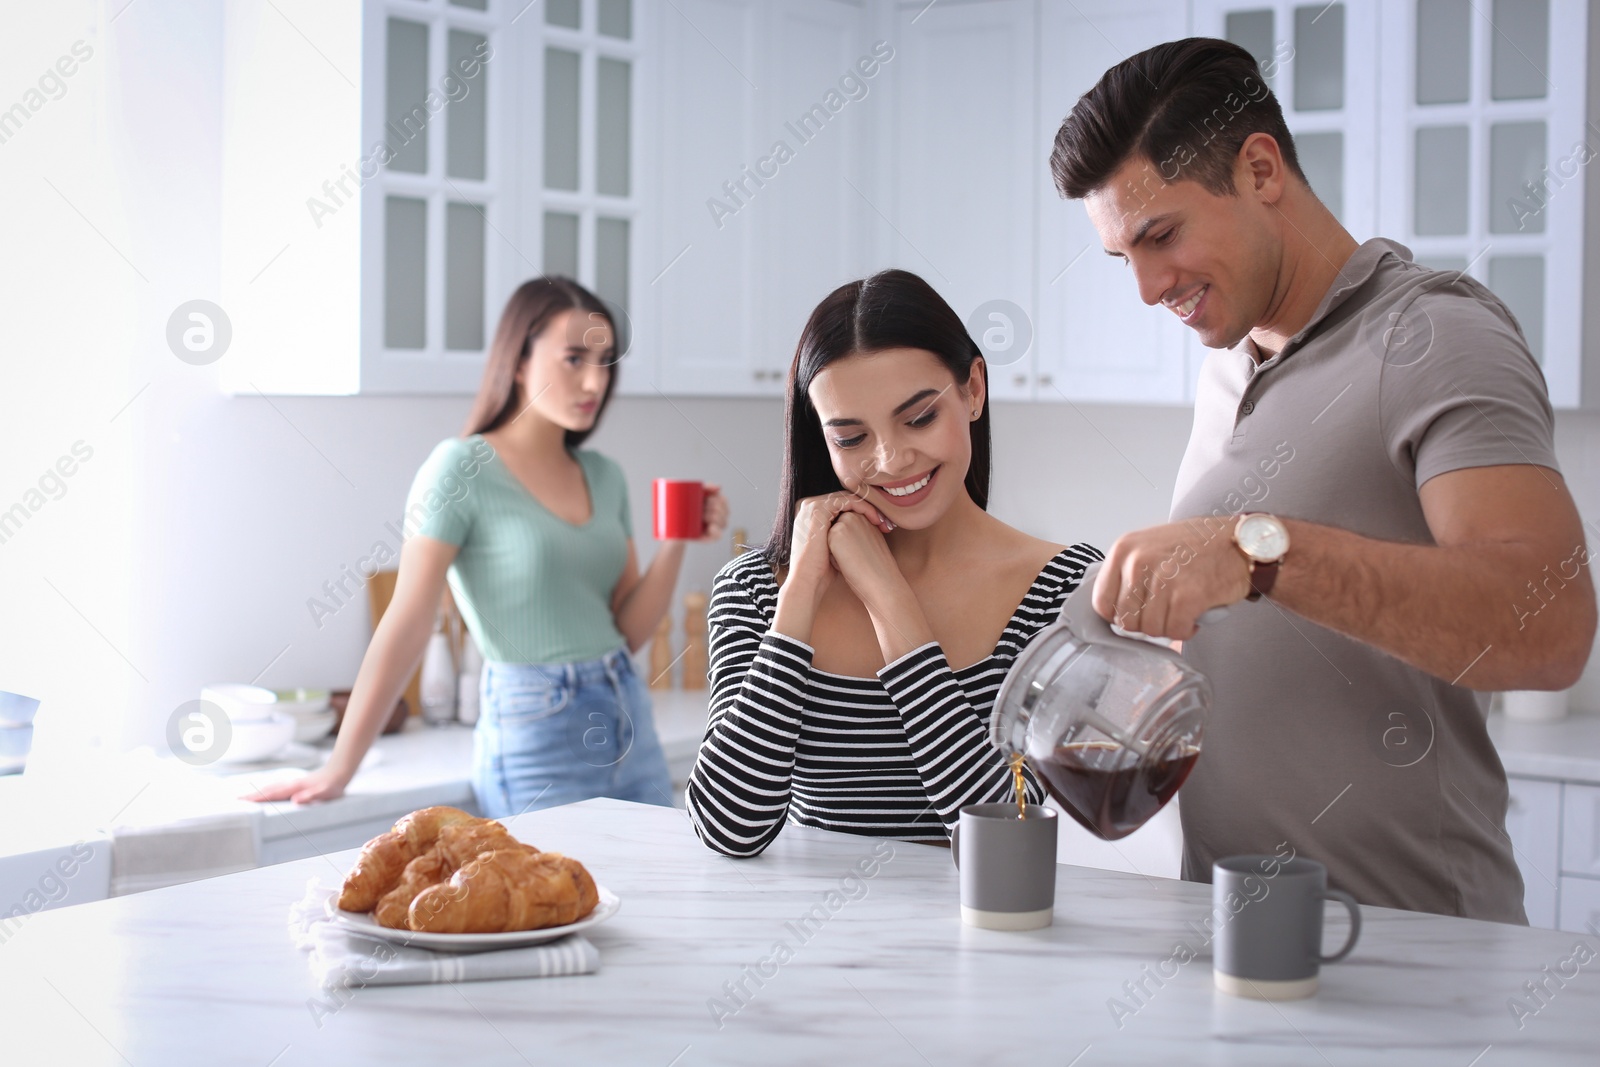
<point x="320" y="784"/>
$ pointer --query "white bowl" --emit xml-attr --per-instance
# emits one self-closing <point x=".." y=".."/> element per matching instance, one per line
<point x="258" y="739"/>
<point x="314" y="726"/>
<point x="241" y="702"/>
<point x="302" y="702"/>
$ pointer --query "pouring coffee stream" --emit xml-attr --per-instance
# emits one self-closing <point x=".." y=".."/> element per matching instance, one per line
<point x="1111" y="723"/>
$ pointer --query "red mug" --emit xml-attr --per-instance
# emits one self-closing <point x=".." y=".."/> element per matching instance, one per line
<point x="678" y="509"/>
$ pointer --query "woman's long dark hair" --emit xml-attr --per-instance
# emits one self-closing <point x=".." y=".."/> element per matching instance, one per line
<point x="527" y="313"/>
<point x="891" y="309"/>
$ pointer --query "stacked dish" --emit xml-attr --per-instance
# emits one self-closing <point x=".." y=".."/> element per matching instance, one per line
<point x="16" y="731"/>
<point x="313" y="718"/>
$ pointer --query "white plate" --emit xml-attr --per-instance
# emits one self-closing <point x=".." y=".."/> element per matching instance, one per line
<point x="364" y="923"/>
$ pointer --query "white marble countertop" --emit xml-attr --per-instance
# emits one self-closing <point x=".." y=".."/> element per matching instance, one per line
<point x="421" y="765"/>
<point x="1568" y="749"/>
<point x="205" y="973"/>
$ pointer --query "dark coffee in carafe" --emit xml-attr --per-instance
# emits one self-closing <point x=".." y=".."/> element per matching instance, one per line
<point x="1107" y="788"/>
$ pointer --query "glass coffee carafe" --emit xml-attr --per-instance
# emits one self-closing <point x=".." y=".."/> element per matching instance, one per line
<point x="1111" y="724"/>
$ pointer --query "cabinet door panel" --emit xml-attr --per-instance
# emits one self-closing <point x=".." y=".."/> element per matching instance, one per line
<point x="1097" y="339"/>
<point x="1533" y="820"/>
<point x="811" y="225"/>
<point x="706" y="237"/>
<point x="967" y="163"/>
<point x="1580" y="905"/>
<point x="1580" y="832"/>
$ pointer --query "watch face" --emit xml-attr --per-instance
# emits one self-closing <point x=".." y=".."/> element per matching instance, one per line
<point x="1263" y="538"/>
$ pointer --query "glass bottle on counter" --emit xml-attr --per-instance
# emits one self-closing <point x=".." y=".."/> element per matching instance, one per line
<point x="438" y="689"/>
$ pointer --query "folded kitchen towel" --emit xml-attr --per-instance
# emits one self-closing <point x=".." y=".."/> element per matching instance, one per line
<point x="342" y="957"/>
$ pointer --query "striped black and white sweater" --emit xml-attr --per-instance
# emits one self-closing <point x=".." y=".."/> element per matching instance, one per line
<point x="897" y="756"/>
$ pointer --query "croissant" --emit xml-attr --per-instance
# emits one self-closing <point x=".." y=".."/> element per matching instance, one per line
<point x="506" y="890"/>
<point x="457" y="845"/>
<point x="383" y="859"/>
<point x="430" y="868"/>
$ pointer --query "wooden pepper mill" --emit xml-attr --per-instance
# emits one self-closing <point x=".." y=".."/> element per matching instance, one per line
<point x="661" y="655"/>
<point x="695" y="660"/>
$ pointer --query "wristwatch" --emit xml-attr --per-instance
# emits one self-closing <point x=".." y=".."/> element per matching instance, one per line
<point x="1264" y="540"/>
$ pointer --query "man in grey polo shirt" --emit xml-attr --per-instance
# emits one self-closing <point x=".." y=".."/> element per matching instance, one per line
<point x="1372" y="451"/>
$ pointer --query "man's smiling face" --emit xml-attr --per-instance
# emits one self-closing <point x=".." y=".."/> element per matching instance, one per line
<point x="1211" y="260"/>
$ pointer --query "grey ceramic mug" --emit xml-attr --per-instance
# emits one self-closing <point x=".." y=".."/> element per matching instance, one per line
<point x="1007" y="864"/>
<point x="1267" y="913"/>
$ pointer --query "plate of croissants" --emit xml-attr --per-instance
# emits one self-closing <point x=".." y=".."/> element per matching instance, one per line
<point x="444" y="879"/>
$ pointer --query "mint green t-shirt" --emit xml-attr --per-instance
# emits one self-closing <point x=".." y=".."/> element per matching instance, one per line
<point x="532" y="587"/>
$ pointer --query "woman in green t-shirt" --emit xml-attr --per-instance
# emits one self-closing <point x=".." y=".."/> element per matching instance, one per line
<point x="534" y="536"/>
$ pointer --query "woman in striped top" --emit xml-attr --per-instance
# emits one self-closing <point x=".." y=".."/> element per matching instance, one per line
<point x="856" y="656"/>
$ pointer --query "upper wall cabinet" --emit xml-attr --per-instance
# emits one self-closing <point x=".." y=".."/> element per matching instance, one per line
<point x="393" y="170"/>
<point x="1318" y="61"/>
<point x="1098" y="340"/>
<point x="1484" y="147"/>
<point x="1456" y="128"/>
<point x="764" y="112"/>
<point x="963" y="179"/>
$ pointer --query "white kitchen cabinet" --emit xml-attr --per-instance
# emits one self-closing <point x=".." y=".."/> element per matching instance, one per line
<point x="1533" y="821"/>
<point x="1580" y="831"/>
<point x="1580" y="905"/>
<point x="370" y="251"/>
<point x="1484" y="151"/>
<point x="963" y="180"/>
<point x="587" y="163"/>
<point x="1318" y="60"/>
<point x="704" y="262"/>
<point x="443" y="152"/>
<point x="1097" y="339"/>
<point x="762" y="197"/>
<point x="817" y="223"/>
<point x="636" y="147"/>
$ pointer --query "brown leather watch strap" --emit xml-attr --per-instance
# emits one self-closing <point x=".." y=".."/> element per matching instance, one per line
<point x="1262" y="576"/>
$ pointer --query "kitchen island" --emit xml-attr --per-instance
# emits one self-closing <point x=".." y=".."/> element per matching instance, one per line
<point x="828" y="946"/>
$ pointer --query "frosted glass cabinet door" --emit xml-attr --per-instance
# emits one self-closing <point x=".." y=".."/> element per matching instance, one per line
<point x="405" y="282"/>
<point x="1473" y="126"/>
<point x="406" y="87"/>
<point x="467" y="131"/>
<point x="1443" y="51"/>
<point x="463" y="277"/>
<point x="1442" y="164"/>
<point x="561" y="118"/>
<point x="1319" y="60"/>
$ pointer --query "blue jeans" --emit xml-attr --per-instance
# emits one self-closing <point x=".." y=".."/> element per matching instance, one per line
<point x="556" y="733"/>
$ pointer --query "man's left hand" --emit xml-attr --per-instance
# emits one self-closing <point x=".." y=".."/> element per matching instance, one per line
<point x="1158" y="581"/>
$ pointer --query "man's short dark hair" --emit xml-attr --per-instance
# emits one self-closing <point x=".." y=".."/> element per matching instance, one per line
<point x="1187" y="106"/>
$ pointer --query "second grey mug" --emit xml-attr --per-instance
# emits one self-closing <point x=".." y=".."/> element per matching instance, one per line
<point x="1007" y="864"/>
<point x="1268" y="942"/>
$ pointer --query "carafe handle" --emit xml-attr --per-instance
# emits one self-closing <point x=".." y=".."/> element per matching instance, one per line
<point x="1079" y="615"/>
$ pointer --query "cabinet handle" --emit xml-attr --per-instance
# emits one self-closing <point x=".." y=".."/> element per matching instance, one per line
<point x="1019" y="380"/>
<point x="1044" y="379"/>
